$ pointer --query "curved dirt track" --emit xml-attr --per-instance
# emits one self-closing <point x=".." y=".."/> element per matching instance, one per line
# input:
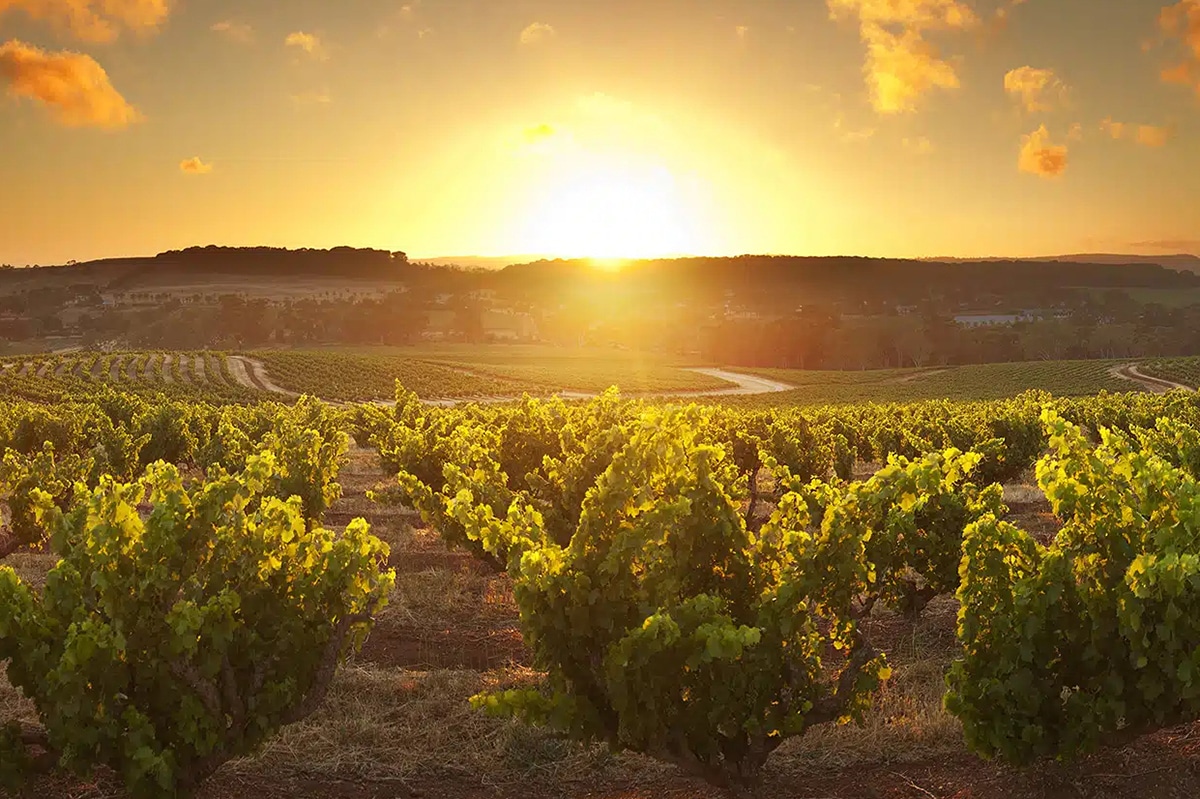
<point x="1156" y="385"/>
<point x="252" y="373"/>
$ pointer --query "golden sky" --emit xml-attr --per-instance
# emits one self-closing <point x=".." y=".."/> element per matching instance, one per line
<point x="609" y="128"/>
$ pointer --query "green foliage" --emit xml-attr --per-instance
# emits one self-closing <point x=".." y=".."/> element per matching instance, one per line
<point x="1094" y="638"/>
<point x="162" y="647"/>
<point x="46" y="473"/>
<point x="309" y="446"/>
<point x="666" y="626"/>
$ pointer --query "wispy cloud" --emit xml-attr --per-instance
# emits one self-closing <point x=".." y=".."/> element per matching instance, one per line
<point x="238" y="32"/>
<point x="901" y="65"/>
<point x="1040" y="157"/>
<point x="311" y="99"/>
<point x="851" y="135"/>
<point x="310" y="43"/>
<point x="1146" y="135"/>
<point x="1182" y="21"/>
<point x="194" y="166"/>
<point x="94" y="20"/>
<point x="72" y="85"/>
<point x="919" y="145"/>
<point x="1036" y="89"/>
<point x="537" y="32"/>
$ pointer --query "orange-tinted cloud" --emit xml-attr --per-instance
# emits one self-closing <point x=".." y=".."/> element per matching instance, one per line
<point x="1040" y="157"/>
<point x="194" y="166"/>
<point x="72" y="85"/>
<point x="1182" y="21"/>
<point x="238" y="32"/>
<point x="1147" y="135"/>
<point x="310" y="43"/>
<point x="919" y="145"/>
<point x="537" y="32"/>
<point x="1153" y="136"/>
<point x="1036" y="89"/>
<point x="311" y="98"/>
<point x="901" y="65"/>
<point x="94" y="20"/>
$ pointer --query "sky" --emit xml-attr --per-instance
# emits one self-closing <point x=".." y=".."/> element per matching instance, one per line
<point x="605" y="128"/>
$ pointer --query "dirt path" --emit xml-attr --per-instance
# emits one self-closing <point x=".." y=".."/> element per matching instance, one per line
<point x="1156" y="385"/>
<point x="743" y="385"/>
<point x="252" y="374"/>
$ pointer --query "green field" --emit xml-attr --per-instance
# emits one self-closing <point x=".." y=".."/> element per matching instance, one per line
<point x="1178" y="370"/>
<point x="976" y="381"/>
<point x="466" y="372"/>
<point x="451" y="370"/>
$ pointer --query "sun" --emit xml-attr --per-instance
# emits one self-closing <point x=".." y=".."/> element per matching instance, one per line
<point x="610" y="210"/>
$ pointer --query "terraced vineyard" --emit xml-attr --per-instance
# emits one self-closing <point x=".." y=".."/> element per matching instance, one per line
<point x="347" y="377"/>
<point x="198" y="375"/>
<point x="464" y="371"/>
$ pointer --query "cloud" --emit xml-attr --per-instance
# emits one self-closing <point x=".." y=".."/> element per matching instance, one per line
<point x="1153" y="136"/>
<point x="194" y="166"/>
<point x="311" y="98"/>
<point x="72" y="85"/>
<point x="308" y="42"/>
<point x="1040" y="157"/>
<point x="1114" y="129"/>
<point x="919" y="145"/>
<point x="537" y="32"/>
<point x="1036" y="89"/>
<point x="238" y="32"/>
<point x="1182" y="21"/>
<point x="1146" y="135"/>
<point x="94" y="20"/>
<point x="855" y="136"/>
<point x="901" y="66"/>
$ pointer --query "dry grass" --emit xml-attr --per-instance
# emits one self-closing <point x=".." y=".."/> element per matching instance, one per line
<point x="390" y="724"/>
<point x="438" y="598"/>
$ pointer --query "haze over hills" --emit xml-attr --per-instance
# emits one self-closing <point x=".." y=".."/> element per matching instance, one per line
<point x="1185" y="262"/>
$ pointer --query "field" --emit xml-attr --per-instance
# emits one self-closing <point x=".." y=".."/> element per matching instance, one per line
<point x="1178" y="370"/>
<point x="398" y="723"/>
<point x="464" y="372"/>
<point x="207" y="375"/>
<point x="976" y="381"/>
<point x="512" y="369"/>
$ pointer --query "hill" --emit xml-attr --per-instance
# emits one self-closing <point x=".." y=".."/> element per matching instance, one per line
<point x="1183" y="262"/>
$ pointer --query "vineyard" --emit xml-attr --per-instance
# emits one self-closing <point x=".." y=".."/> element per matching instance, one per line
<point x="973" y="382"/>
<point x="359" y="377"/>
<point x="550" y="597"/>
<point x="199" y="375"/>
<point x="1178" y="370"/>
